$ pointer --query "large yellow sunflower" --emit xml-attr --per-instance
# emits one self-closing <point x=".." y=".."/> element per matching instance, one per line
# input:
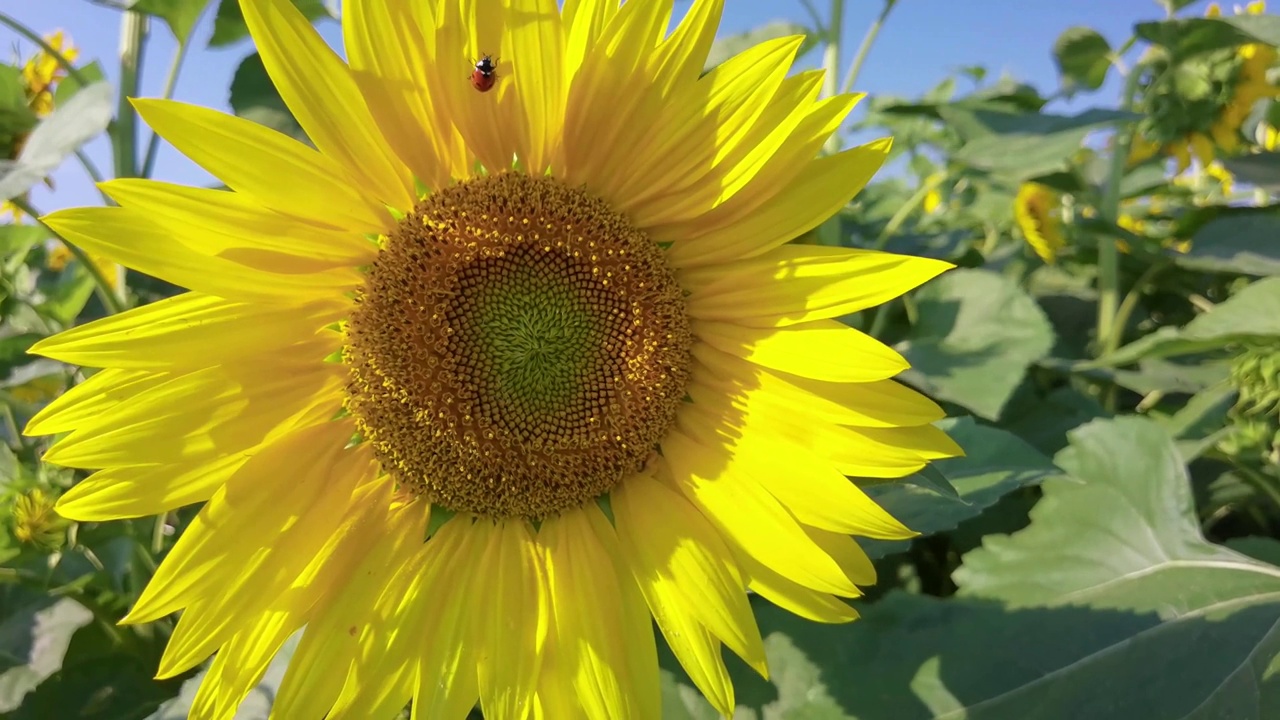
<point x="487" y="380"/>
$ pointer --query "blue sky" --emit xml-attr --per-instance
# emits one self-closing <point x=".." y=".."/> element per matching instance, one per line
<point x="923" y="41"/>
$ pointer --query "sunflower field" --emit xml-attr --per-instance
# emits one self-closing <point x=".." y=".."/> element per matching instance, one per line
<point x="574" y="359"/>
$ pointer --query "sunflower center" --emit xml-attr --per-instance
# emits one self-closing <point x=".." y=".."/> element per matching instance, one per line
<point x="518" y="348"/>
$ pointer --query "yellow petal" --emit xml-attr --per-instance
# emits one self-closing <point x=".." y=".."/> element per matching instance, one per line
<point x="749" y="516"/>
<point x="512" y="629"/>
<point x="681" y="57"/>
<point x="268" y="494"/>
<point x="537" y="57"/>
<point x="789" y="196"/>
<point x="796" y="283"/>
<point x="234" y="227"/>
<point x="240" y="664"/>
<point x="676" y="553"/>
<point x="142" y="490"/>
<point x="822" y="350"/>
<point x="188" y="330"/>
<point x="132" y="239"/>
<point x="389" y="59"/>
<point x="82" y="404"/>
<point x="584" y="22"/>
<point x="805" y="483"/>
<point x="254" y="160"/>
<point x="199" y="415"/>
<point x="314" y="678"/>
<point x="447" y="680"/>
<point x="590" y="619"/>
<point x="793" y="597"/>
<point x="320" y="92"/>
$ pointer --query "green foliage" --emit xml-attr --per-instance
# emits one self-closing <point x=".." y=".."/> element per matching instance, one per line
<point x="1106" y="547"/>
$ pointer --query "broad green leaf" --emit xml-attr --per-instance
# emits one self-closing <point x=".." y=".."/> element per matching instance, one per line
<point x="179" y="15"/>
<point x="1261" y="169"/>
<point x="951" y="491"/>
<point x="1043" y="422"/>
<point x="17" y="240"/>
<point x="68" y="295"/>
<point x="1186" y="37"/>
<point x="229" y="25"/>
<point x="13" y="350"/>
<point x="1083" y="57"/>
<point x="1252" y="313"/>
<point x="57" y="136"/>
<point x="726" y="47"/>
<point x="975" y="336"/>
<point x="1110" y="606"/>
<point x="1153" y="374"/>
<point x="35" y="630"/>
<point x="16" y="118"/>
<point x="1244" y="243"/>
<point x="253" y="97"/>
<point x="1025" y="145"/>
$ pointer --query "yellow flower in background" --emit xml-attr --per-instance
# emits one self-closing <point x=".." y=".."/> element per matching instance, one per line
<point x="60" y="255"/>
<point x="1210" y="121"/>
<point x="933" y="198"/>
<point x="41" y="74"/>
<point x="477" y="441"/>
<point x="1037" y="210"/>
<point x="35" y="522"/>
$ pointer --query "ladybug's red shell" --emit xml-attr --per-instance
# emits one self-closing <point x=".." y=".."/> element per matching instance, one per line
<point x="484" y="75"/>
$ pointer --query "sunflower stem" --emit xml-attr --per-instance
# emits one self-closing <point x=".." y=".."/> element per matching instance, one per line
<point x="831" y="62"/>
<point x="867" y="40"/>
<point x="1108" y="336"/>
<point x="170" y="81"/>
<point x="133" y="35"/>
<point x="102" y="287"/>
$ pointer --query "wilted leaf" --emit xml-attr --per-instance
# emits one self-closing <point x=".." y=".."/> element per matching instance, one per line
<point x="179" y="15"/>
<point x="1083" y="57"/>
<point x="995" y="462"/>
<point x="1252" y="313"/>
<point x="229" y="25"/>
<point x="80" y="120"/>
<point x="976" y="334"/>
<point x="726" y="47"/>
<point x="253" y="97"/>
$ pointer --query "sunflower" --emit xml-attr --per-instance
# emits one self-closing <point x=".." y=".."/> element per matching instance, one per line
<point x="1037" y="214"/>
<point x="1200" y="107"/>
<point x="487" y="382"/>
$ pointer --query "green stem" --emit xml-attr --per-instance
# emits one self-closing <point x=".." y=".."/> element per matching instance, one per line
<point x="94" y="174"/>
<point x="904" y="211"/>
<point x="48" y="49"/>
<point x="110" y="300"/>
<point x="865" y="47"/>
<point x="831" y="62"/>
<point x="1130" y="303"/>
<point x="814" y="17"/>
<point x="153" y="145"/>
<point x="133" y="34"/>
<point x="1108" y="254"/>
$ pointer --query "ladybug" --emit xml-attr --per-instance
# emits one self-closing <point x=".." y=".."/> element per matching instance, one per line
<point x="485" y="74"/>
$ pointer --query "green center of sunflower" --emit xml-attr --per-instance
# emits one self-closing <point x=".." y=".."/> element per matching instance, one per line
<point x="518" y="348"/>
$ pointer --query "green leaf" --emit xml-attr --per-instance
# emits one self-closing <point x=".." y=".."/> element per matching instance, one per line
<point x="976" y="334"/>
<point x="68" y="296"/>
<point x="34" y="634"/>
<point x="726" y="47"/>
<point x="1025" y="145"/>
<point x="253" y="97"/>
<point x="995" y="462"/>
<point x="69" y="86"/>
<point x="1173" y="6"/>
<point x="16" y="117"/>
<point x="1252" y="313"/>
<point x="229" y="25"/>
<point x="1260" y="169"/>
<point x="1242" y="243"/>
<point x="13" y="350"/>
<point x="1187" y="37"/>
<point x="1083" y="57"/>
<point x="179" y="15"/>
<point x="61" y="133"/>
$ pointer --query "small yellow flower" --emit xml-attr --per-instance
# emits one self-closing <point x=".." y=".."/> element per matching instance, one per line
<point x="42" y="73"/>
<point x="35" y="522"/>
<point x="933" y="198"/>
<point x="1036" y="210"/>
<point x="59" y="256"/>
